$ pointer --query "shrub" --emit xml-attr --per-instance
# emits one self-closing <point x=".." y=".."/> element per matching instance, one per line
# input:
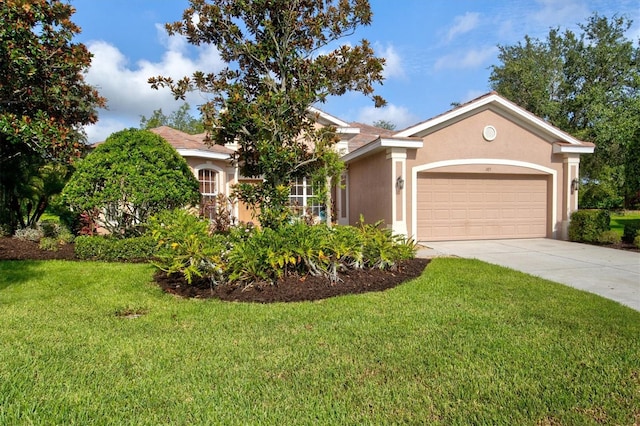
<point x="132" y="176"/>
<point x="49" y="243"/>
<point x="587" y="225"/>
<point x="296" y="247"/>
<point x="383" y="249"/>
<point x="219" y="209"/>
<point x="184" y="245"/>
<point x="631" y="230"/>
<point x="636" y="241"/>
<point x="609" y="237"/>
<point x="111" y="249"/>
<point x="49" y="228"/>
<point x="29" y="234"/>
<point x="65" y="236"/>
<point x="187" y="245"/>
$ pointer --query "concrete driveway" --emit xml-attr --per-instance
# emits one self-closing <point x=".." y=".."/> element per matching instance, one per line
<point x="610" y="273"/>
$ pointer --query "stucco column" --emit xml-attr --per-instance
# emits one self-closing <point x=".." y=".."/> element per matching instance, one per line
<point x="398" y="158"/>
<point x="571" y="179"/>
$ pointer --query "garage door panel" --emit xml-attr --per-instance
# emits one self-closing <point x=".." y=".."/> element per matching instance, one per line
<point x="464" y="206"/>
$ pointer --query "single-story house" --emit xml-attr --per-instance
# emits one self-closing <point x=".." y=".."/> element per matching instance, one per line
<point x="485" y="169"/>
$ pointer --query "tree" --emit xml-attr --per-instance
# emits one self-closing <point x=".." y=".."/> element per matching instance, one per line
<point x="586" y="84"/>
<point x="44" y="100"/>
<point x="632" y="172"/>
<point x="276" y="70"/>
<point x="179" y="120"/>
<point x="384" y="124"/>
<point x="131" y="176"/>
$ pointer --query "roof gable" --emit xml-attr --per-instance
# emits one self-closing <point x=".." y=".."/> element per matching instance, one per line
<point x="491" y="101"/>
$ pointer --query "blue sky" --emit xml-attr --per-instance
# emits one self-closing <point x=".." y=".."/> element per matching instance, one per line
<point x="437" y="51"/>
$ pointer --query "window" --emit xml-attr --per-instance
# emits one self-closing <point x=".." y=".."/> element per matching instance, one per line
<point x="301" y="198"/>
<point x="208" y="189"/>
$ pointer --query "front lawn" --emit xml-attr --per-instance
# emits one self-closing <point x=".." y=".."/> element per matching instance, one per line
<point x="467" y="343"/>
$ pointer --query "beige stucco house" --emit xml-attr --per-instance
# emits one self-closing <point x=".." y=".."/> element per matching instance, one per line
<point x="486" y="169"/>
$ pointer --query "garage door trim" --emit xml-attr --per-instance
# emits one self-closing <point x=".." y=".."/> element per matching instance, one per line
<point x="488" y="161"/>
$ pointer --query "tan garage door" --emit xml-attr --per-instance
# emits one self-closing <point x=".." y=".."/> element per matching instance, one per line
<point x="467" y="207"/>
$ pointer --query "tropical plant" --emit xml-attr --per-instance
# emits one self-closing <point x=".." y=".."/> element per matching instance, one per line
<point x="184" y="245"/>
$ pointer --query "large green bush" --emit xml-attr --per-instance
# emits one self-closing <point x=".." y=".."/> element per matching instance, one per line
<point x="586" y="226"/>
<point x="134" y="174"/>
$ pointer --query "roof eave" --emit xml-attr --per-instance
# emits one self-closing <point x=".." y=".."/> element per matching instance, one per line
<point x="564" y="148"/>
<point x="382" y="143"/>
<point x="203" y="154"/>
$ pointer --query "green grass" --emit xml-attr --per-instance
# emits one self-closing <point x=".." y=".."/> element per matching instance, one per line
<point x="618" y="220"/>
<point x="467" y="343"/>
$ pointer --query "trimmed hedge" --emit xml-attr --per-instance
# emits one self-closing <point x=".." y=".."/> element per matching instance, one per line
<point x="136" y="249"/>
<point x="586" y="226"/>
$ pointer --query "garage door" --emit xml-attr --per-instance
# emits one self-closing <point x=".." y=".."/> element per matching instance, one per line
<point x="466" y="207"/>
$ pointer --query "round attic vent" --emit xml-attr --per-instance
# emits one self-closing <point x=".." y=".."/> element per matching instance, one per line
<point x="489" y="133"/>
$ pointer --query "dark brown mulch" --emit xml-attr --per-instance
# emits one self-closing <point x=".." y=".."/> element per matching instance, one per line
<point x="295" y="288"/>
<point x="16" y="249"/>
<point x="622" y="246"/>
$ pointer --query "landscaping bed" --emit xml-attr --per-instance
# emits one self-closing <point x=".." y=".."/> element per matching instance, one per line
<point x="295" y="288"/>
<point x="287" y="289"/>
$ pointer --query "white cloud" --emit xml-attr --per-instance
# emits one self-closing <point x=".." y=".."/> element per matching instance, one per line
<point x="398" y="115"/>
<point x="125" y="85"/>
<point x="463" y="24"/>
<point x="106" y="126"/>
<point x="463" y="60"/>
<point x="393" y="66"/>
<point x="554" y="12"/>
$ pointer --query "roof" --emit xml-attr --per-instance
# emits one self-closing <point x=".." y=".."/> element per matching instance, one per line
<point x="191" y="145"/>
<point x="497" y="102"/>
<point x="365" y="135"/>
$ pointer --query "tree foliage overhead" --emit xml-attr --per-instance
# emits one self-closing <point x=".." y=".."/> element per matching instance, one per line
<point x="280" y="63"/>
<point x="131" y="176"/>
<point x="179" y="119"/>
<point x="43" y="96"/>
<point x="587" y="84"/>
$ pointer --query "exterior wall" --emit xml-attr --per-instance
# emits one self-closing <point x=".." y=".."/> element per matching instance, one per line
<point x="370" y="189"/>
<point x="461" y="148"/>
<point x="227" y="176"/>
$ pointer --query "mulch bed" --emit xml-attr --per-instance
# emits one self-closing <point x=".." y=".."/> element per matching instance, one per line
<point x="288" y="289"/>
<point x="15" y="249"/>
<point x="296" y="288"/>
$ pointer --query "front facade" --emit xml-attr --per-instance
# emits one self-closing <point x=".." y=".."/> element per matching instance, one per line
<point x="485" y="170"/>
